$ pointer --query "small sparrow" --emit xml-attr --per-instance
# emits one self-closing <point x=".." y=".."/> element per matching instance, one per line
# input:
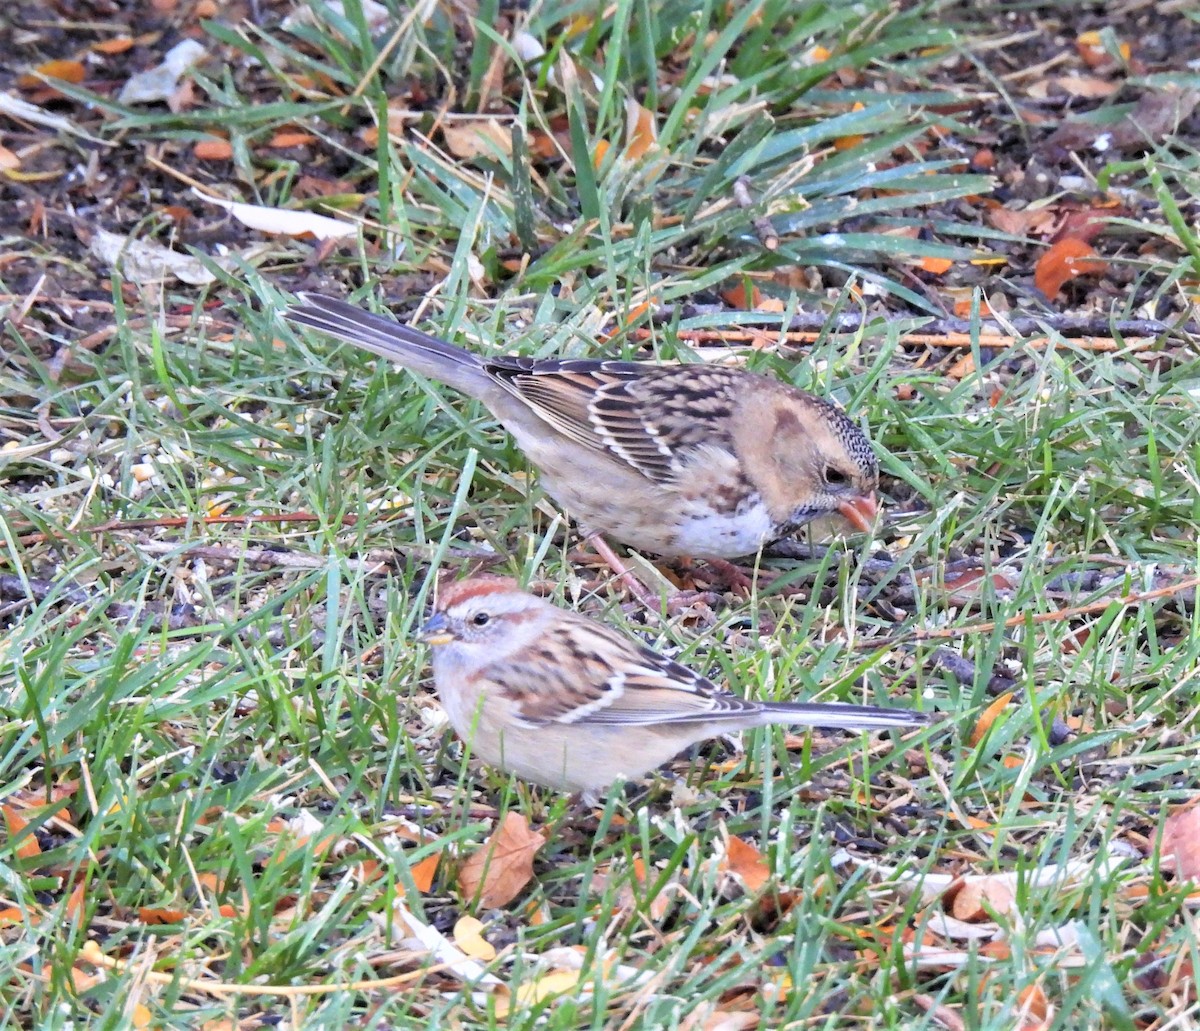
<point x="693" y="460"/>
<point x="571" y="704"/>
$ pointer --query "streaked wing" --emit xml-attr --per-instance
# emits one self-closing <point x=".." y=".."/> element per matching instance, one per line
<point x="585" y="673"/>
<point x="650" y="417"/>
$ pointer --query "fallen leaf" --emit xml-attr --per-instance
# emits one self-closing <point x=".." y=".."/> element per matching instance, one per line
<point x="1181" y="840"/>
<point x="17" y="825"/>
<point x="144" y="261"/>
<point x="63" y="71"/>
<point x="161" y="82"/>
<point x="746" y="863"/>
<point x="978" y="898"/>
<point x="989" y="716"/>
<point x="498" y="871"/>
<point x="1088" y="86"/>
<point x="1063" y="261"/>
<point x="213" y="150"/>
<point x="1091" y="48"/>
<point x="468" y="936"/>
<point x="477" y="137"/>
<point x="154" y="915"/>
<point x="284" y="221"/>
<point x="641" y="130"/>
<point x="936" y="266"/>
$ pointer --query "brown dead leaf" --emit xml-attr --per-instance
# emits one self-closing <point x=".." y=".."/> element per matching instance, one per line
<point x="213" y="150"/>
<point x="16" y="825"/>
<point x="936" y="266"/>
<point x="989" y="717"/>
<point x="64" y="71"/>
<point x="641" y="130"/>
<point x="969" y="901"/>
<point x="1181" y="840"/>
<point x="478" y="137"/>
<point x="1033" y="1007"/>
<point x="1155" y="115"/>
<point x="498" y="871"/>
<point x="1063" y="261"/>
<point x="1091" y="49"/>
<point x="1090" y="87"/>
<point x="746" y="863"/>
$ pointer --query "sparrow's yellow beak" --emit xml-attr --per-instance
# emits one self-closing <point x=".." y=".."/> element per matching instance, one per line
<point x="436" y="631"/>
<point x="860" y="512"/>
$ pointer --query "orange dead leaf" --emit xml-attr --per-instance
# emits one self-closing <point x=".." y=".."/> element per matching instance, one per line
<point x="155" y="915"/>
<point x="10" y="916"/>
<point x="746" y="863"/>
<point x="738" y="296"/>
<point x="602" y="149"/>
<point x="74" y="907"/>
<point x="291" y="138"/>
<point x="850" y="142"/>
<point x="116" y="45"/>
<point x="1034" y="1007"/>
<point x="937" y="266"/>
<point x="213" y="150"/>
<point x="1091" y="49"/>
<point x="498" y="872"/>
<point x="978" y="895"/>
<point x="641" y="131"/>
<point x="989" y="717"/>
<point x="961" y="369"/>
<point x="424" y="872"/>
<point x="1181" y="839"/>
<point x="64" y="71"/>
<point x="16" y="824"/>
<point x="1064" y="260"/>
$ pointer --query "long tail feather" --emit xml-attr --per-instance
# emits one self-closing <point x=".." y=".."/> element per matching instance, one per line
<point x="404" y="345"/>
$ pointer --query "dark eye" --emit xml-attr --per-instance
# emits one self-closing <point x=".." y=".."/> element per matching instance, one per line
<point x="481" y="619"/>
<point x="834" y="477"/>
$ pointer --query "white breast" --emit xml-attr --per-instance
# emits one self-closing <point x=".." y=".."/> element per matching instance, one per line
<point x="707" y="534"/>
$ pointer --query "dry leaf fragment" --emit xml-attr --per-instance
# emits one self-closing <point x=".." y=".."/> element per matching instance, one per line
<point x="477" y="137"/>
<point x="283" y="220"/>
<point x="641" y="130"/>
<point x="63" y="71"/>
<point x="468" y="936"/>
<point x="989" y="717"/>
<point x="161" y="82"/>
<point x="17" y="825"/>
<point x="143" y="261"/>
<point x="980" y="897"/>
<point x="1064" y="260"/>
<point x="1181" y="840"/>
<point x="746" y="863"/>
<point x="498" y="871"/>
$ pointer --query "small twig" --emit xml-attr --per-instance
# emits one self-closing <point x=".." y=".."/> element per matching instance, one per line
<point x="763" y="228"/>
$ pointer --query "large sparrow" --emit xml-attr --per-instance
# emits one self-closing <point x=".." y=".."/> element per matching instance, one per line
<point x="571" y="704"/>
<point x="677" y="460"/>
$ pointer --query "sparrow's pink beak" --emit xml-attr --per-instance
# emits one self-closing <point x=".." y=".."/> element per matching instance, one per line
<point x="860" y="512"/>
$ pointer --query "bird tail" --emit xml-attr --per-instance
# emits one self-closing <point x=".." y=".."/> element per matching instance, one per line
<point x="404" y="345"/>
<point x="843" y="717"/>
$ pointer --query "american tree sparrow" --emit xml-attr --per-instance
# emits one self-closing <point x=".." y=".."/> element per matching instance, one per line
<point x="571" y="704"/>
<point x="677" y="460"/>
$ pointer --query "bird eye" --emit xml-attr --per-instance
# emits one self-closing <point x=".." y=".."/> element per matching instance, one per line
<point x="834" y="477"/>
<point x="481" y="619"/>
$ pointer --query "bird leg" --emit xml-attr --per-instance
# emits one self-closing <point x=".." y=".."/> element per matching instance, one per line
<point x="623" y="573"/>
<point x="676" y="601"/>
